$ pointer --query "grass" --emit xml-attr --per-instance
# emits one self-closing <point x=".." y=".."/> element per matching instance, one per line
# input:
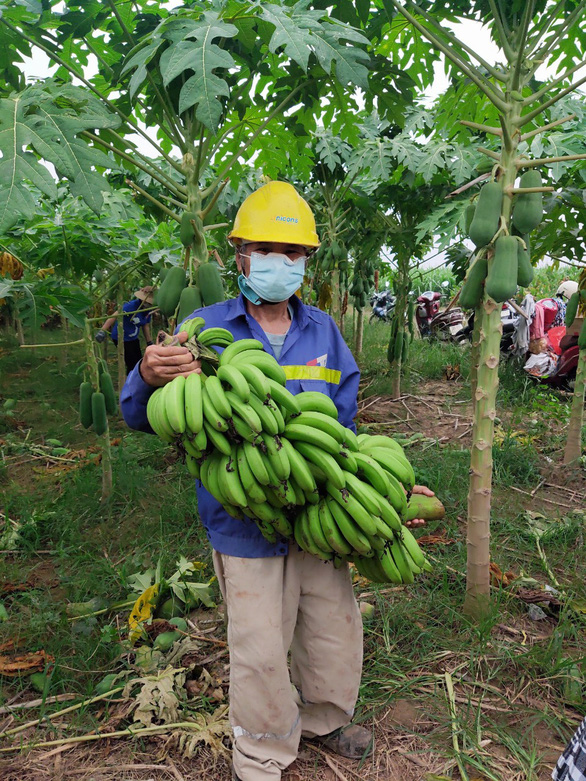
<point x="510" y="685"/>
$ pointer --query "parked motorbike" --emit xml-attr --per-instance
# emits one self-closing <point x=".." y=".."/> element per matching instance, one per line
<point x="566" y="347"/>
<point x="509" y="320"/>
<point x="433" y="323"/>
<point x="382" y="304"/>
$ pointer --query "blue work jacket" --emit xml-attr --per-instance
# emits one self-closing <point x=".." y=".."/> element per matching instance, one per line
<point x="314" y="357"/>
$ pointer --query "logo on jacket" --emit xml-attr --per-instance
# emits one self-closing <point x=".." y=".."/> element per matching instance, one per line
<point x="321" y="361"/>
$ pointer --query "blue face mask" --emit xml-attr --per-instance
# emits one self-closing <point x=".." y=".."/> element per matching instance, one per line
<point x="273" y="277"/>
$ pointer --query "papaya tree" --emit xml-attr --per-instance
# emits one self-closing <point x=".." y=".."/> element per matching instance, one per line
<point x="512" y="103"/>
<point x="199" y="85"/>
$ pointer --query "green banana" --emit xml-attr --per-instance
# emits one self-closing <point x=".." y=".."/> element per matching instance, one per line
<point x="214" y="389"/>
<point x="314" y="401"/>
<point x="210" y="413"/>
<point x="244" y="410"/>
<point x="217" y="438"/>
<point x="233" y="377"/>
<point x="332" y="533"/>
<point x="238" y="347"/>
<point x="401" y="562"/>
<point x="299" y="467"/>
<point x="256" y="379"/>
<point x="346" y="460"/>
<point x="215" y="335"/>
<point x="354" y="508"/>
<point x="283" y="397"/>
<point x="269" y="423"/>
<point x="252" y="488"/>
<point x="361" y="491"/>
<point x="243" y="430"/>
<point x="275" y="516"/>
<point x="394" y="464"/>
<point x="303" y="433"/>
<point x="173" y="399"/>
<point x="155" y="419"/>
<point x="277" y="456"/>
<point x="315" y="530"/>
<point x="390" y="568"/>
<point x="192" y="326"/>
<point x="277" y="414"/>
<point x="193" y="402"/>
<point x="367" y="441"/>
<point x="256" y="462"/>
<point x="323" y="461"/>
<point x="265" y="362"/>
<point x="412" y="546"/>
<point x="192" y="465"/>
<point x="348" y="528"/>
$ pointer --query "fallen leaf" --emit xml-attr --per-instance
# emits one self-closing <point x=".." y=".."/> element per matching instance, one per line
<point x="24" y="664"/>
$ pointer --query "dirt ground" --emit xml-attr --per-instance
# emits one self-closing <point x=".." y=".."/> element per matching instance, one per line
<point x="407" y="735"/>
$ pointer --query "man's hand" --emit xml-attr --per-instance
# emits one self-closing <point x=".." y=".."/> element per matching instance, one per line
<point x="161" y="364"/>
<point x="419" y="489"/>
<point x="100" y="335"/>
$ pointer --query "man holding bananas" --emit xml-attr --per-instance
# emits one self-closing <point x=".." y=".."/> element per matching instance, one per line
<point x="279" y="599"/>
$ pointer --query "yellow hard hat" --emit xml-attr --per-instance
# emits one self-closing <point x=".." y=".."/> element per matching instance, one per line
<point x="275" y="212"/>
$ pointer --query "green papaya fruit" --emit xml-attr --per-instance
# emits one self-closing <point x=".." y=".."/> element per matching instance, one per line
<point x="85" y="404"/>
<point x="186" y="228"/>
<point x="189" y="301"/>
<point x="99" y="417"/>
<point x="528" y="207"/>
<point x="107" y="388"/>
<point x="106" y="684"/>
<point x="169" y="608"/>
<point x="39" y="682"/>
<point x="501" y="280"/>
<point x="165" y="640"/>
<point x="405" y="350"/>
<point x="471" y="292"/>
<point x="525" y="269"/>
<point x="99" y="275"/>
<point x="210" y="283"/>
<point x="179" y="623"/>
<point x="170" y="290"/>
<point x="582" y="336"/>
<point x="468" y="217"/>
<point x="487" y="214"/>
<point x="572" y="308"/>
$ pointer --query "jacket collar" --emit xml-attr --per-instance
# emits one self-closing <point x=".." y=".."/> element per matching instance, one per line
<point x="237" y="308"/>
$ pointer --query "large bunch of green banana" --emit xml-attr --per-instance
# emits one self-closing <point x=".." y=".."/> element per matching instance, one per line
<point x="286" y="461"/>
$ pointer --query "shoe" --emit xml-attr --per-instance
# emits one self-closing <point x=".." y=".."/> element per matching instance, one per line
<point x="352" y="741"/>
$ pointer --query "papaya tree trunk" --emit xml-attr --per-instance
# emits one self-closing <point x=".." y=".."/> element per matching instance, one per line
<point x="399" y="335"/>
<point x="19" y="331"/>
<point x="336" y="300"/>
<point x="120" y="346"/>
<point x="573" y="449"/>
<point x="480" y="489"/>
<point x="104" y="439"/>
<point x="475" y="351"/>
<point x="359" y="332"/>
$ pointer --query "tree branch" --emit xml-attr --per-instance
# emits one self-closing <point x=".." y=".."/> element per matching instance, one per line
<point x="525" y="118"/>
<point x="168" y="183"/>
<point x="222" y="175"/>
<point x="547" y="160"/>
<point x="213" y="200"/>
<point x="503" y="32"/>
<point x="496" y="131"/>
<point x="467" y="68"/>
<point x="549" y="126"/>
<point x="453" y="39"/>
<point x="541" y="54"/>
<point x="544" y="90"/>
<point x="150" y="198"/>
<point x="521" y="42"/>
<point x="489" y="153"/>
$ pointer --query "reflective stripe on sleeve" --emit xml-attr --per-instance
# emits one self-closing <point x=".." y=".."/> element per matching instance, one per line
<point x="312" y="373"/>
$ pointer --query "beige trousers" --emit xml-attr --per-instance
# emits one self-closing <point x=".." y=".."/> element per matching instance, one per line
<point x="300" y="604"/>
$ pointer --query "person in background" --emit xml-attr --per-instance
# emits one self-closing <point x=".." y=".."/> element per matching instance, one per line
<point x="280" y="600"/>
<point x="134" y="320"/>
<point x="549" y="313"/>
